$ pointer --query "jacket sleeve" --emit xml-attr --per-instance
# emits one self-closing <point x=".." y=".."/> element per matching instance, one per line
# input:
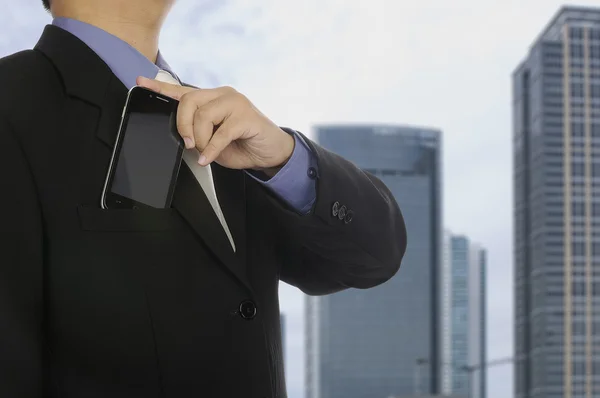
<point x="21" y="296"/>
<point x="353" y="237"/>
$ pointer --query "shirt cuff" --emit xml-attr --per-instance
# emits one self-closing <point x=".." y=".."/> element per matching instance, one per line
<point x="296" y="182"/>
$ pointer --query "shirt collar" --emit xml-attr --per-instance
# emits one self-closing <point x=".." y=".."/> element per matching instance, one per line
<point x="126" y="62"/>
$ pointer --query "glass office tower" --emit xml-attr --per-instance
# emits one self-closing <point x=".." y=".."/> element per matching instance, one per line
<point x="384" y="341"/>
<point x="556" y="149"/>
<point x="283" y="336"/>
<point x="463" y="291"/>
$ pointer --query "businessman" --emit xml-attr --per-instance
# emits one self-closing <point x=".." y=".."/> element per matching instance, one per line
<point x="178" y="302"/>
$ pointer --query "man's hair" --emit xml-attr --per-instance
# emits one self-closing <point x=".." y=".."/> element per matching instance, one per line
<point x="46" y="4"/>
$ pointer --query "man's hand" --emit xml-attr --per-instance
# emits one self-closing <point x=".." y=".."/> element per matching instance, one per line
<point x="227" y="128"/>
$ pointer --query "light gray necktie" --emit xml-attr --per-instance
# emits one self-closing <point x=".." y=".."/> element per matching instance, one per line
<point x="203" y="174"/>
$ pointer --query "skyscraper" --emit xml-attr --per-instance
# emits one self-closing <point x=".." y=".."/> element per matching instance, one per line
<point x="463" y="291"/>
<point x="384" y="341"/>
<point x="556" y="142"/>
<point x="283" y="330"/>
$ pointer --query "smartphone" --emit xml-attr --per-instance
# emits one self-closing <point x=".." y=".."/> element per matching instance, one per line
<point x="147" y="154"/>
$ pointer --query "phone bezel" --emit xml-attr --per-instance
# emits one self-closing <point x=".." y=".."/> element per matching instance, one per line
<point x="109" y="198"/>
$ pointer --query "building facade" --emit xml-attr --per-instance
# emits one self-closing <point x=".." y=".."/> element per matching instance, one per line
<point x="429" y="396"/>
<point x="384" y="341"/>
<point x="463" y="291"/>
<point x="556" y="149"/>
<point x="283" y="336"/>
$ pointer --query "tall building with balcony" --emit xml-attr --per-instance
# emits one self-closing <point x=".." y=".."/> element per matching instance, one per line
<point x="556" y="149"/>
<point x="384" y="341"/>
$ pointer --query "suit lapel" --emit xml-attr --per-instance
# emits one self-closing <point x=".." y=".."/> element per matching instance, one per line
<point x="111" y="111"/>
<point x="88" y="78"/>
<point x="193" y="205"/>
<point x="231" y="193"/>
<point x="84" y="74"/>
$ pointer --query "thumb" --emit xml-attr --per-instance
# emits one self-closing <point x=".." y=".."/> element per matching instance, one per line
<point x="170" y="90"/>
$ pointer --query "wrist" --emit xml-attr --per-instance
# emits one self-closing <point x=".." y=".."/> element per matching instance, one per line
<point x="287" y="146"/>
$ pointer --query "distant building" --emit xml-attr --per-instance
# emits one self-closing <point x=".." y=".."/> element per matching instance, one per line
<point x="283" y="339"/>
<point x="428" y="396"/>
<point x="463" y="317"/>
<point x="368" y="343"/>
<point x="556" y="176"/>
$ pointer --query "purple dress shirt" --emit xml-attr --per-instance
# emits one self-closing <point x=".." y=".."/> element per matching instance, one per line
<point x="294" y="183"/>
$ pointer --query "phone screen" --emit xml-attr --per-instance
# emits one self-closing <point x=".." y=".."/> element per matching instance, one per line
<point x="148" y="153"/>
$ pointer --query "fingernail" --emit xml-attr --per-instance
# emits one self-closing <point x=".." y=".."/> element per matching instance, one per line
<point x="189" y="143"/>
<point x="202" y="160"/>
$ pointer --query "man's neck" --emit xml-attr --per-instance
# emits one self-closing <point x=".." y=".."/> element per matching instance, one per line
<point x="139" y="27"/>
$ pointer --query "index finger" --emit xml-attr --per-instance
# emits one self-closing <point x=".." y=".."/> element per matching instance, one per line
<point x="170" y="90"/>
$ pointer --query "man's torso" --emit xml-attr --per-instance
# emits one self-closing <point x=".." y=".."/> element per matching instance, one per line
<point x="137" y="303"/>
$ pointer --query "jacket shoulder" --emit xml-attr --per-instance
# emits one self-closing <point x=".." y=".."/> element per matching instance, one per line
<point x="27" y="78"/>
<point x="25" y="67"/>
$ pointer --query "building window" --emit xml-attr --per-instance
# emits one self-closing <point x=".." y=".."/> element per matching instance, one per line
<point x="576" y="32"/>
<point x="577" y="112"/>
<point x="577" y="129"/>
<point x="578" y="248"/>
<point x="596" y="249"/>
<point x="595" y="209"/>
<point x="578" y="290"/>
<point x="554" y="74"/>
<point x="578" y="145"/>
<point x="596" y="126"/>
<point x="577" y="169"/>
<point x="596" y="366"/>
<point x="595" y="90"/>
<point x="576" y="63"/>
<point x="578" y="328"/>
<point x="578" y="368"/>
<point x="595" y="170"/>
<point x="577" y="74"/>
<point x="578" y="209"/>
<point x="555" y="144"/>
<point x="577" y="90"/>
<point x="576" y="50"/>
<point x="595" y="51"/>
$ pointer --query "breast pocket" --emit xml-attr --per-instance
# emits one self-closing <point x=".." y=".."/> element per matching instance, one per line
<point x="138" y="220"/>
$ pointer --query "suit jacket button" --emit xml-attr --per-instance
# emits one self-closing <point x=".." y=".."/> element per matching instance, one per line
<point x="342" y="212"/>
<point x="349" y="216"/>
<point x="248" y="310"/>
<point x="335" y="208"/>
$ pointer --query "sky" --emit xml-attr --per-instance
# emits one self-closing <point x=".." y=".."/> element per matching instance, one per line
<point x="438" y="63"/>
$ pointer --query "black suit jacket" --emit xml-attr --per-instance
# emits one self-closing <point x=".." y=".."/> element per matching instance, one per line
<point x="154" y="303"/>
